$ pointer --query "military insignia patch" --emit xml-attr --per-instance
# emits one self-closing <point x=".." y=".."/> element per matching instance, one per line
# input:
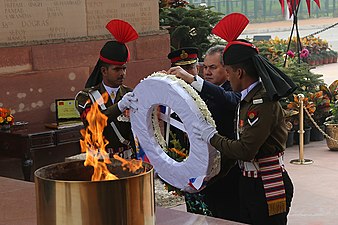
<point x="257" y="101"/>
<point x="252" y="117"/>
<point x="240" y="126"/>
<point x="184" y="55"/>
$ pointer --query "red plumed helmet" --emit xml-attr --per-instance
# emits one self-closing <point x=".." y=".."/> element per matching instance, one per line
<point x="122" y="31"/>
<point x="231" y="26"/>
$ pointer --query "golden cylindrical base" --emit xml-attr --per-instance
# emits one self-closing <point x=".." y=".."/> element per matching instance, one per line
<point x="70" y="198"/>
<point x="301" y="162"/>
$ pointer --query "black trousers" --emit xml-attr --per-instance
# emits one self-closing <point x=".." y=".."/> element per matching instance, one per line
<point x="222" y="197"/>
<point x="253" y="205"/>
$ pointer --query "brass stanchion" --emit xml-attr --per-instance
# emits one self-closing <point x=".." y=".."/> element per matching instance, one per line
<point x="301" y="160"/>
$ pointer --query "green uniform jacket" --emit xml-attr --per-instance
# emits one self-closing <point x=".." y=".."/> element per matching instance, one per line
<point x="112" y="112"/>
<point x="261" y="127"/>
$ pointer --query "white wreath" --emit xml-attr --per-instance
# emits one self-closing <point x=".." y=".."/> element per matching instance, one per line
<point x="203" y="161"/>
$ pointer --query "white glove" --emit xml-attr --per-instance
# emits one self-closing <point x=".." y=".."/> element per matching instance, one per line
<point x="204" y="130"/>
<point x="128" y="101"/>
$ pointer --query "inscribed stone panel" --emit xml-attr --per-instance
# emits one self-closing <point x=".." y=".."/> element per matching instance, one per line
<point x="141" y="14"/>
<point x="30" y="20"/>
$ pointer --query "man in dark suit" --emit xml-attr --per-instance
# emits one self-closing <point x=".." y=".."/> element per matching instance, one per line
<point x="220" y="197"/>
<point x="107" y="79"/>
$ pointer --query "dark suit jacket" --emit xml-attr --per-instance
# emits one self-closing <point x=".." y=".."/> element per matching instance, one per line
<point x="112" y="112"/>
<point x="222" y="103"/>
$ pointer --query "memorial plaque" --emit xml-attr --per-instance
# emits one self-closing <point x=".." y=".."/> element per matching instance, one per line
<point x="36" y="20"/>
<point x="141" y="14"/>
<point x="28" y="20"/>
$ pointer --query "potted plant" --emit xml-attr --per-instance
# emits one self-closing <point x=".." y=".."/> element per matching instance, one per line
<point x="311" y="60"/>
<point x="332" y="121"/>
<point x="290" y="117"/>
<point x="331" y="55"/>
<point x="295" y="106"/>
<point x="325" y="55"/>
<point x="322" y="103"/>
<point x="334" y="56"/>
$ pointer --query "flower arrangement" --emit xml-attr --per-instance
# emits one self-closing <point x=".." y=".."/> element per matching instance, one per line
<point x="332" y="91"/>
<point x="177" y="152"/>
<point x="6" y="118"/>
<point x="315" y="50"/>
<point x="322" y="103"/>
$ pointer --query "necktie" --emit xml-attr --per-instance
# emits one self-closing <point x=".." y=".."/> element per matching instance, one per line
<point x="112" y="96"/>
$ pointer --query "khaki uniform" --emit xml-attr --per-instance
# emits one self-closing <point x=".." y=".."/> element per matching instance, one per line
<point x="261" y="128"/>
<point x="113" y="113"/>
<point x="261" y="134"/>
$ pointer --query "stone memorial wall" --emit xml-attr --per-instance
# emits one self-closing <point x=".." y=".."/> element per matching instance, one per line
<point x="34" y="20"/>
<point x="142" y="14"/>
<point x="48" y="49"/>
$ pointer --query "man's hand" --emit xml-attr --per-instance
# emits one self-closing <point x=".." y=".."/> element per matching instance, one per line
<point x="128" y="101"/>
<point x="204" y="130"/>
<point x="181" y="73"/>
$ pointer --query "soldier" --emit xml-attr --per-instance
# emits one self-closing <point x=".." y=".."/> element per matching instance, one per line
<point x="108" y="77"/>
<point x="265" y="187"/>
<point x="186" y="58"/>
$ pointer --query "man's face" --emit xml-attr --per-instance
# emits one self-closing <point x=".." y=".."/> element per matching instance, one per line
<point x="213" y="70"/>
<point x="192" y="68"/>
<point x="114" y="75"/>
<point x="233" y="75"/>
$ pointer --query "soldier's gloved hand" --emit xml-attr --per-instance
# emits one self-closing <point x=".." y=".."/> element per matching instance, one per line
<point x="128" y="101"/>
<point x="204" y="130"/>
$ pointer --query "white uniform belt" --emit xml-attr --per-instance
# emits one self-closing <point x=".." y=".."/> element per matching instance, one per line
<point x="251" y="169"/>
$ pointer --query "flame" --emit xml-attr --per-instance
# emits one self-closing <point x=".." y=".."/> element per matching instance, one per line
<point x="94" y="144"/>
<point x="132" y="165"/>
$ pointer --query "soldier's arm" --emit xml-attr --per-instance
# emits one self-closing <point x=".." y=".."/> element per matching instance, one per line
<point x="112" y="111"/>
<point x="217" y="93"/>
<point x="252" y="137"/>
<point x="84" y="104"/>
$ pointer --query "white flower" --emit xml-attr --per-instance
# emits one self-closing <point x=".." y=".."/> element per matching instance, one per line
<point x="195" y="96"/>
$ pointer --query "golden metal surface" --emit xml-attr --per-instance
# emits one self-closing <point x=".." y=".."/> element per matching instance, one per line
<point x="301" y="162"/>
<point x="126" y="201"/>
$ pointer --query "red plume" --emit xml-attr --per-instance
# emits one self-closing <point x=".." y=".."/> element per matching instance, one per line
<point x="122" y="31"/>
<point x="231" y="26"/>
